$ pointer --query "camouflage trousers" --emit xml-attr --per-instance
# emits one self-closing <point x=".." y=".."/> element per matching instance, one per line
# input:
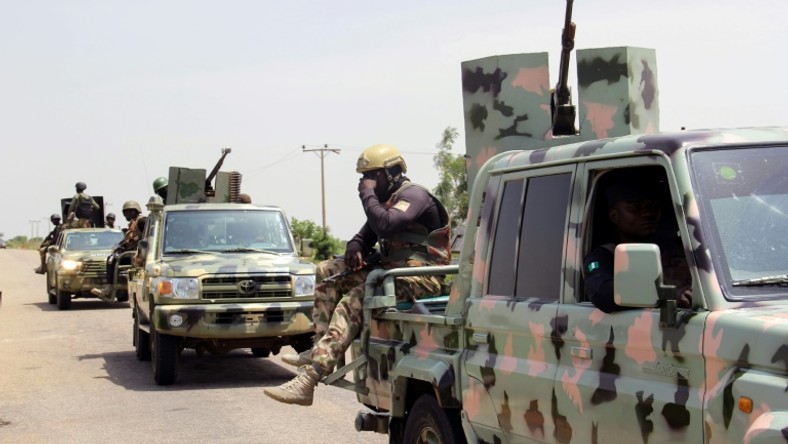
<point x="341" y="301"/>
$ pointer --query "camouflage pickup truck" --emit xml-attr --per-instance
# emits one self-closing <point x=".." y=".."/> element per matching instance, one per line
<point x="517" y="352"/>
<point x="77" y="262"/>
<point x="218" y="277"/>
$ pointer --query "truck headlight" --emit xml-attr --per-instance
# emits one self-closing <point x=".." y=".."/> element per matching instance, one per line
<point x="305" y="285"/>
<point x="179" y="288"/>
<point x="70" y="265"/>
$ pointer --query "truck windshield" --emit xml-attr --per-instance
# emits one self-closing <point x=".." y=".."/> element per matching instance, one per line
<point x="743" y="195"/>
<point x="239" y="231"/>
<point x="88" y="241"/>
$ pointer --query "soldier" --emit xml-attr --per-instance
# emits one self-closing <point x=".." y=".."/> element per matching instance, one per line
<point x="634" y="212"/>
<point x="160" y="188"/>
<point x="110" y="220"/>
<point x="81" y="208"/>
<point x="132" y="212"/>
<point x="49" y="240"/>
<point x="412" y="228"/>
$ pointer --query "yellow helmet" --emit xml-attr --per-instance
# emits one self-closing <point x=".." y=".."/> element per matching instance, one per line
<point x="380" y="156"/>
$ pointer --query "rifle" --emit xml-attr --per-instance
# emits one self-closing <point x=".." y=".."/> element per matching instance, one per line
<point x="208" y="186"/>
<point x="371" y="260"/>
<point x="561" y="107"/>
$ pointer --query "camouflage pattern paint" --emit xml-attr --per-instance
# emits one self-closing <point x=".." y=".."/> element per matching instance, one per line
<point x="560" y="370"/>
<point x="91" y="273"/>
<point x="222" y="316"/>
<point x="506" y="100"/>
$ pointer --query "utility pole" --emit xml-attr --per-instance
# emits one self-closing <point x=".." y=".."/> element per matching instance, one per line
<point x="33" y="224"/>
<point x="322" y="154"/>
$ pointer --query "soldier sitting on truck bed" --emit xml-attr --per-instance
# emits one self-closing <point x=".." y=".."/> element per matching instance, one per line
<point x="132" y="212"/>
<point x="634" y="212"/>
<point x="412" y="228"/>
<point x="49" y="240"/>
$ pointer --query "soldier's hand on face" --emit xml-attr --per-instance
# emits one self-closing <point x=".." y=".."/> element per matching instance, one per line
<point x="366" y="184"/>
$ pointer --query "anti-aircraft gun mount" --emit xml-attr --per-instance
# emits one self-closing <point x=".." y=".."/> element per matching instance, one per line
<point x="193" y="185"/>
<point x="509" y="104"/>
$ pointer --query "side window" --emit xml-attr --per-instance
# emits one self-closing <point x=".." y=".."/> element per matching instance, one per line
<point x="528" y="247"/>
<point x="630" y="204"/>
<point x="541" y="249"/>
<point x="503" y="266"/>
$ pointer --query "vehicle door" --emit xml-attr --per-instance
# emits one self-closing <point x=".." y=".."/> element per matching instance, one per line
<point x="510" y="323"/>
<point x="622" y="377"/>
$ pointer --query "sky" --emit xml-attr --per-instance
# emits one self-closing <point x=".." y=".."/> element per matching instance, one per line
<point x="112" y="93"/>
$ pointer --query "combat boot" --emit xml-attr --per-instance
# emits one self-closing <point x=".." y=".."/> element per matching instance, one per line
<point x="299" y="390"/>
<point x="104" y="293"/>
<point x="298" y="359"/>
<point x="40" y="270"/>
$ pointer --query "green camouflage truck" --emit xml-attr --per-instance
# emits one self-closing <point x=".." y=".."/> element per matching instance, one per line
<point x="77" y="262"/>
<point x="218" y="277"/>
<point x="517" y="353"/>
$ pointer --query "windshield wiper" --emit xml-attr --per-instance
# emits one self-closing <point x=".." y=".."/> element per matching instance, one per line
<point x="780" y="279"/>
<point x="248" y="250"/>
<point x="187" y="251"/>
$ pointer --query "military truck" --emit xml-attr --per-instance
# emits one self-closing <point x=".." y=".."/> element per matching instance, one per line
<point x="76" y="263"/>
<point x="217" y="276"/>
<point x="517" y="352"/>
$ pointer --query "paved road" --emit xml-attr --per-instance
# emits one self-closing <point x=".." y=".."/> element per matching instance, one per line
<point x="72" y="377"/>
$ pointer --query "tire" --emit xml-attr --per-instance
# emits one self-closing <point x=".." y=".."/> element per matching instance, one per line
<point x="261" y="352"/>
<point x="141" y="341"/>
<point x="63" y="300"/>
<point x="427" y="422"/>
<point x="51" y="293"/>
<point x="164" y="357"/>
<point x="122" y="295"/>
<point x="302" y="343"/>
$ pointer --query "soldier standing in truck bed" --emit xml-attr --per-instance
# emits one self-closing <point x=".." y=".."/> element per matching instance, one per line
<point x="81" y="208"/>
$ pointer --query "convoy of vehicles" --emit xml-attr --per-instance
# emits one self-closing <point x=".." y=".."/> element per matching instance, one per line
<point x="77" y="262"/>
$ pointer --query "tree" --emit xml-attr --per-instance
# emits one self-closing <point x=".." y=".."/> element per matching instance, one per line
<point x="324" y="244"/>
<point x="452" y="188"/>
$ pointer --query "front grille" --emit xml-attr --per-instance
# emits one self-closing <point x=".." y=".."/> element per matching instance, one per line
<point x="94" y="267"/>
<point x="247" y="287"/>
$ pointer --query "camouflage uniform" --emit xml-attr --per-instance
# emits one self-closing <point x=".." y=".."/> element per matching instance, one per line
<point x="128" y="243"/>
<point x="42" y="248"/>
<point x="416" y="245"/>
<point x="411" y="227"/>
<point x="81" y="200"/>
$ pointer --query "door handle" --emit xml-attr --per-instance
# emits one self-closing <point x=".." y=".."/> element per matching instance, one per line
<point x="479" y="338"/>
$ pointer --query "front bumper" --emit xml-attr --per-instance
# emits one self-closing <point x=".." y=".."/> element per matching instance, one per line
<point x="235" y="320"/>
<point x="78" y="283"/>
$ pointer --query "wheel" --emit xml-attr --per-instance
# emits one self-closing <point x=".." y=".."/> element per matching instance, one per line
<point x="164" y="357"/>
<point x="141" y="341"/>
<point x="63" y="300"/>
<point x="51" y="293"/>
<point x="302" y="343"/>
<point x="122" y="295"/>
<point x="261" y="352"/>
<point x="427" y="422"/>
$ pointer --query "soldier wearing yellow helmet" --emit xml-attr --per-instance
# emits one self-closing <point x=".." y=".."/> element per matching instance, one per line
<point x="411" y="227"/>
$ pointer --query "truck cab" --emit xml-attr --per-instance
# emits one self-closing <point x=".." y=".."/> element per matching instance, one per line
<point x="518" y="353"/>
